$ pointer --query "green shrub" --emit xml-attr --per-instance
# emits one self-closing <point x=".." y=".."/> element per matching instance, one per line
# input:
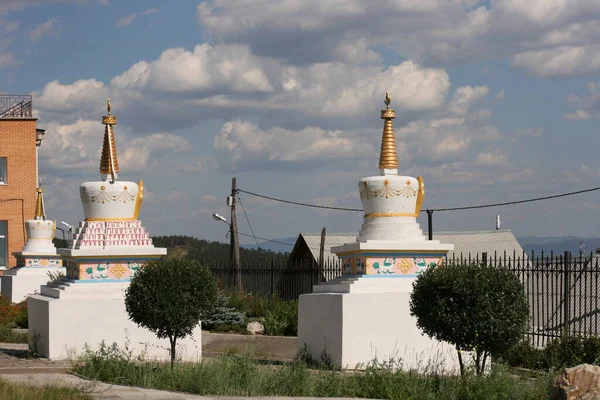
<point x="8" y="335"/>
<point x="524" y="355"/>
<point x="22" y="319"/>
<point x="559" y="353"/>
<point x="224" y="318"/>
<point x="281" y="319"/>
<point x="170" y="296"/>
<point x="474" y="307"/>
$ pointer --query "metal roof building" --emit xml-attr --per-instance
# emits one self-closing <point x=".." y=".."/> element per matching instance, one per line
<point x="469" y="243"/>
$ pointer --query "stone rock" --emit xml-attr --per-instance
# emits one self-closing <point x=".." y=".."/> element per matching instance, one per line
<point x="578" y="383"/>
<point x="255" y="328"/>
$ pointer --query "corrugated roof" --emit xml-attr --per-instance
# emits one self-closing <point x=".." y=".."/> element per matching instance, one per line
<point x="465" y="243"/>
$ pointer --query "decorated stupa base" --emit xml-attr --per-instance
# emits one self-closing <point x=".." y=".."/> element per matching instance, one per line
<point x="364" y="314"/>
<point x="87" y="307"/>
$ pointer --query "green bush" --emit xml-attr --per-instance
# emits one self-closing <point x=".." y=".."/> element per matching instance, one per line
<point x="559" y="353"/>
<point x="170" y="296"/>
<point x="8" y="335"/>
<point x="474" y="307"/>
<point x="281" y="319"/>
<point x="224" y="318"/>
<point x="22" y="319"/>
<point x="524" y="355"/>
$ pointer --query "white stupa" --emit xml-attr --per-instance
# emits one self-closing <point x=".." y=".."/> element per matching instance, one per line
<point x="107" y="248"/>
<point x="365" y="314"/>
<point x="38" y="262"/>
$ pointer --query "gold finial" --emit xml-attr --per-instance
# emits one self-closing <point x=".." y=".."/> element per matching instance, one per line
<point x="109" y="164"/>
<point x="388" y="158"/>
<point x="39" y="203"/>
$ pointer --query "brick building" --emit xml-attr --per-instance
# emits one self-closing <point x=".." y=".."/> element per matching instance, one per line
<point x="19" y="140"/>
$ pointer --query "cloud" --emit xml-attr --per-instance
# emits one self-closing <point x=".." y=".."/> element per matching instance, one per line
<point x="7" y="59"/>
<point x="84" y="98"/>
<point x="561" y="61"/>
<point x="588" y="107"/>
<point x="579" y="114"/>
<point x="75" y="147"/>
<point x="132" y="17"/>
<point x="243" y="146"/>
<point x="43" y="29"/>
<point x="491" y="159"/>
<point x="126" y="20"/>
<point x="435" y="32"/>
<point x="183" y="87"/>
<point x="465" y="96"/>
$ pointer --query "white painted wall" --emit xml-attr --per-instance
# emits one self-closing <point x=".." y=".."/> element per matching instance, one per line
<point x="357" y="327"/>
<point x="18" y="283"/>
<point x="92" y="313"/>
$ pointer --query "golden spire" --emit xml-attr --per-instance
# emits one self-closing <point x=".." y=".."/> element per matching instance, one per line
<point x="109" y="164"/>
<point x="39" y="203"/>
<point x="388" y="158"/>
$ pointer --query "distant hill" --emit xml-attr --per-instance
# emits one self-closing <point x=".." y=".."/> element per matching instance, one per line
<point x="557" y="245"/>
<point x="274" y="246"/>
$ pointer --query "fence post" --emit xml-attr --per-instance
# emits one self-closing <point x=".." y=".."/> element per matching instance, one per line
<point x="484" y="259"/>
<point x="272" y="276"/>
<point x="567" y="292"/>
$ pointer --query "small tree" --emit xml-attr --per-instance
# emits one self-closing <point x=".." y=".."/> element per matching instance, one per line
<point x="474" y="307"/>
<point x="170" y="296"/>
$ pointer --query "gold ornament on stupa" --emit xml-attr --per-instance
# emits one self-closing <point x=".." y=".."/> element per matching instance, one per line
<point x="388" y="158"/>
<point x="40" y="214"/>
<point x="109" y="164"/>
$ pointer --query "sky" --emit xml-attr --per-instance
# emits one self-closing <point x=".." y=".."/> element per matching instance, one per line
<point x="496" y="100"/>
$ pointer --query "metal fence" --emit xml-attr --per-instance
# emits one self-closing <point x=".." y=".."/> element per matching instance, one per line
<point x="15" y="106"/>
<point x="561" y="289"/>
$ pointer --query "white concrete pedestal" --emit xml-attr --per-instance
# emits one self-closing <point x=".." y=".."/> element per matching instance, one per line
<point x="18" y="283"/>
<point x="67" y="316"/>
<point x="356" y="320"/>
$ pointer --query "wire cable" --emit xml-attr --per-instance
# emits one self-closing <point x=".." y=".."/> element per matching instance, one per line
<point x="248" y="220"/>
<point x="297" y="202"/>
<point x="431" y="209"/>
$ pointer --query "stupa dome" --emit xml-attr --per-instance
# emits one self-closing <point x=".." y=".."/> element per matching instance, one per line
<point x="391" y="202"/>
<point x="40" y="231"/>
<point x="111" y="207"/>
<point x="109" y="199"/>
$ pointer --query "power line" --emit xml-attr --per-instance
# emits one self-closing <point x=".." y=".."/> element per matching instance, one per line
<point x="431" y="209"/>
<point x="248" y="220"/>
<point x="519" y="201"/>
<point x="297" y="202"/>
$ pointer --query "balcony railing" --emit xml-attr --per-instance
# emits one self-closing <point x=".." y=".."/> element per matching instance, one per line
<point x="15" y="106"/>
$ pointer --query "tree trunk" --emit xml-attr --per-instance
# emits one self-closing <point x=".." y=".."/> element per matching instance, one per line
<point x="485" y="356"/>
<point x="173" y="341"/>
<point x="460" y="362"/>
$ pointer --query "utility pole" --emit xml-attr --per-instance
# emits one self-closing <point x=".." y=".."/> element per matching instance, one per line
<point x="322" y="249"/>
<point x="234" y="242"/>
<point x="430" y="224"/>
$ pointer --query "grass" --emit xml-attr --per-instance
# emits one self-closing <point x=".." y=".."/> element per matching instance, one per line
<point x="7" y="335"/>
<point x="19" y="391"/>
<point x="243" y="376"/>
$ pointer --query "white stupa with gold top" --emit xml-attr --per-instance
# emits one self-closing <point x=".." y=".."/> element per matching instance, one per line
<point x="107" y="248"/>
<point x="38" y="262"/>
<point x="364" y="314"/>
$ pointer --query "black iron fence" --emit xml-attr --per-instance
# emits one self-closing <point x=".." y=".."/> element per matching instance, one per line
<point x="15" y="106"/>
<point x="562" y="290"/>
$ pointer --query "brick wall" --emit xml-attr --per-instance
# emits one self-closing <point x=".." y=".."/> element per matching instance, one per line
<point x="17" y="144"/>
